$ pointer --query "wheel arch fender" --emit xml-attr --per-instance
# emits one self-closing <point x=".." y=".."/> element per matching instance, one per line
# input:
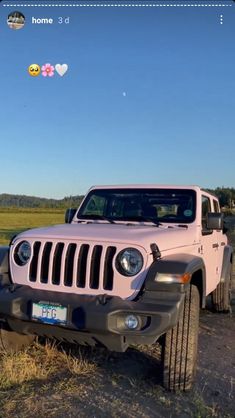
<point x="226" y="263"/>
<point x="4" y="266"/>
<point x="178" y="264"/>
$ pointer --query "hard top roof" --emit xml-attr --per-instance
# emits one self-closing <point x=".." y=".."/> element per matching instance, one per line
<point x="147" y="186"/>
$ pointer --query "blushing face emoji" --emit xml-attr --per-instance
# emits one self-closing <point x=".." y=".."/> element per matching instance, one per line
<point x="34" y="70"/>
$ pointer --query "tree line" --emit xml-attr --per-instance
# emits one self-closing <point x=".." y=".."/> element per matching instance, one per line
<point x="226" y="196"/>
<point x="23" y="201"/>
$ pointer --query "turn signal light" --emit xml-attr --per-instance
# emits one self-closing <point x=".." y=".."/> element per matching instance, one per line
<point x="173" y="278"/>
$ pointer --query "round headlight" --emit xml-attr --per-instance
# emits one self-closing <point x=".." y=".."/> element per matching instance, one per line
<point x="129" y="262"/>
<point x="22" y="253"/>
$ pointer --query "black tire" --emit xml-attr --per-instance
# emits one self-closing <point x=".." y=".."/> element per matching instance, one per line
<point x="11" y="341"/>
<point x="221" y="296"/>
<point x="179" y="350"/>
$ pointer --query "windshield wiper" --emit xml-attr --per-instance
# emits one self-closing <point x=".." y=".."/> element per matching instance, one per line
<point x="96" y="217"/>
<point x="144" y="219"/>
<point x="179" y="226"/>
<point x="183" y="226"/>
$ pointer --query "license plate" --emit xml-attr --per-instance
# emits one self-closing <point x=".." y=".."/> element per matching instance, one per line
<point x="49" y="313"/>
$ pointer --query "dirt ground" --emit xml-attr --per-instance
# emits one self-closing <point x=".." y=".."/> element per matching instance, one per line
<point x="128" y="385"/>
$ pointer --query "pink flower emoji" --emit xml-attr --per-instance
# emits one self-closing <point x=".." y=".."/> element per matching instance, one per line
<point x="48" y="70"/>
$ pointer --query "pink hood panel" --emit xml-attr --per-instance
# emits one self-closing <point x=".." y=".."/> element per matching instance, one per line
<point x="141" y="235"/>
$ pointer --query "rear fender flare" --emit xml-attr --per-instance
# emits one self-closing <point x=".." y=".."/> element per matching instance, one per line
<point x="226" y="264"/>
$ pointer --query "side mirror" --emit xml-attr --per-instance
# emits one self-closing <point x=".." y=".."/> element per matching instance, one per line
<point x="215" y="220"/>
<point x="69" y="215"/>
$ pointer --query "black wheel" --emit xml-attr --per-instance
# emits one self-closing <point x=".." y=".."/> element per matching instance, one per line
<point x="11" y="340"/>
<point x="221" y="296"/>
<point x="179" y="349"/>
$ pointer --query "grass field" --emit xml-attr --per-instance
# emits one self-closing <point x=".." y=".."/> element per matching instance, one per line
<point x="14" y="221"/>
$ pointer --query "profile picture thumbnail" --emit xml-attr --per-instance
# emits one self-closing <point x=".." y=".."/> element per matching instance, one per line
<point x="16" y="20"/>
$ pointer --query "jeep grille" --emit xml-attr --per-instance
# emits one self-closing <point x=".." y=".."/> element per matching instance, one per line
<point x="84" y="266"/>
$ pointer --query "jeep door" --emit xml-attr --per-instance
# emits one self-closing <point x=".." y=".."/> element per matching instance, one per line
<point x="209" y="247"/>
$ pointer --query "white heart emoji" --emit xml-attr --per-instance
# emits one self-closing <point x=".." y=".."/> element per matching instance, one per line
<point x="61" y="69"/>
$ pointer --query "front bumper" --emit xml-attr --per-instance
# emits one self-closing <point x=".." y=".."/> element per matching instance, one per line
<point x="93" y="320"/>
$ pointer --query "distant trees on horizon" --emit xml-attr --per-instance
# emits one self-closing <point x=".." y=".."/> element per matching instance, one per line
<point x="23" y="201"/>
<point x="226" y="196"/>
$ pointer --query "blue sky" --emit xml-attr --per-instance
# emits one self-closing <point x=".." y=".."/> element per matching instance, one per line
<point x="149" y="97"/>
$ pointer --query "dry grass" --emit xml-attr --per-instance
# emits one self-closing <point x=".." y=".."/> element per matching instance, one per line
<point x="40" y="380"/>
<point x="41" y="362"/>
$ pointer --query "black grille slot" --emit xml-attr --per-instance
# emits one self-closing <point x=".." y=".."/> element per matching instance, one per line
<point x="68" y="270"/>
<point x="95" y="267"/>
<point x="82" y="265"/>
<point x="45" y="262"/>
<point x="108" y="268"/>
<point x="57" y="263"/>
<point x="34" y="263"/>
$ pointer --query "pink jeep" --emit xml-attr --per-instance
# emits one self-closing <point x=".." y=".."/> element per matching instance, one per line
<point x="132" y="265"/>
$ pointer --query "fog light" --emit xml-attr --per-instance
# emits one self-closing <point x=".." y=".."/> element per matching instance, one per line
<point x="131" y="322"/>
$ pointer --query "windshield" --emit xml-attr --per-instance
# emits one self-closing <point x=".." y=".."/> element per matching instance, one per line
<point x="144" y="205"/>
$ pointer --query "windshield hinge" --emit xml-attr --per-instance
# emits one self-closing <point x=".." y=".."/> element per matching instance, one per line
<point x="155" y="251"/>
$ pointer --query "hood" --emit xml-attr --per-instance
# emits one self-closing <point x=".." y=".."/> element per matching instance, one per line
<point x="140" y="235"/>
